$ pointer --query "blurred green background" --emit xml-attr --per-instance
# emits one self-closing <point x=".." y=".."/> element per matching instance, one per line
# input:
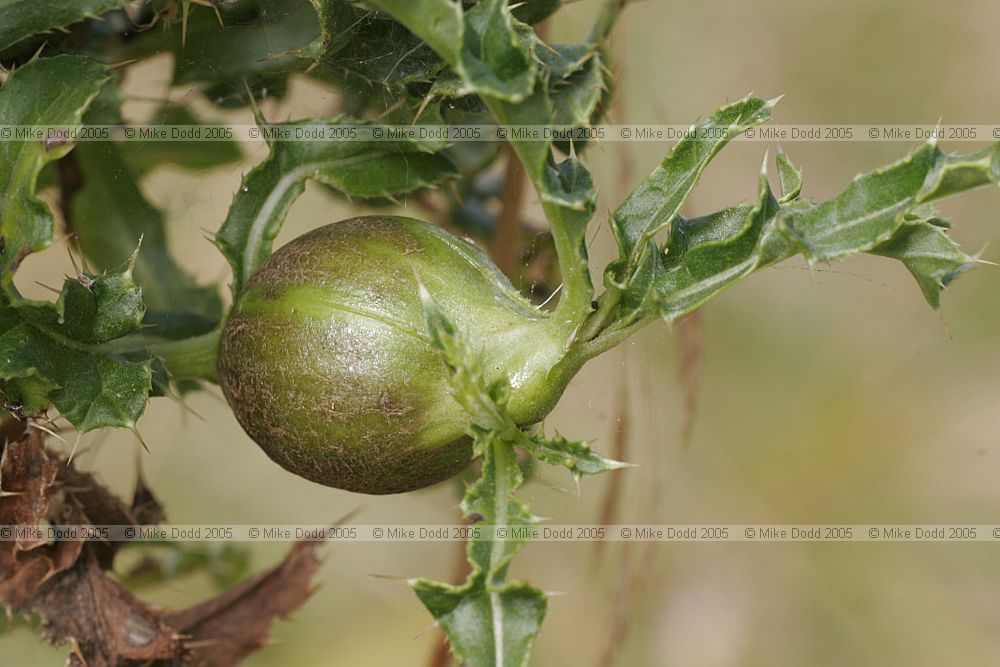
<point x="826" y="396"/>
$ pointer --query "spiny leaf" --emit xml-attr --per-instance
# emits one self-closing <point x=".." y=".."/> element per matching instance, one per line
<point x="492" y="497"/>
<point x="576" y="82"/>
<point x="957" y="172"/>
<point x="928" y="252"/>
<point x="338" y="20"/>
<point x="20" y="19"/>
<point x="484" y="402"/>
<point x="46" y="91"/>
<point x="383" y="57"/>
<point x="883" y="212"/>
<point x="657" y="201"/>
<point x="873" y="207"/>
<point x="67" y="354"/>
<point x="259" y="43"/>
<point x="790" y="176"/>
<point x="577" y="456"/>
<point x="490" y="622"/>
<point x="497" y="57"/>
<point x="707" y="254"/>
<point x="533" y="11"/>
<point x="362" y="168"/>
<point x="112" y="218"/>
<point x="438" y="22"/>
<point x="473" y="617"/>
<point x="490" y="54"/>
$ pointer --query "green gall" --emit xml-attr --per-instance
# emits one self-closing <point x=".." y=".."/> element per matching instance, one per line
<point x="327" y="364"/>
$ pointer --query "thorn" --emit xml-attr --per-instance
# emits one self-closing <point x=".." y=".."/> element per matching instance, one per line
<point x="38" y="53"/>
<point x="72" y="452"/>
<point x="258" y="115"/>
<point x="392" y="107"/>
<point x="72" y="260"/>
<point x="420" y="110"/>
<point x="45" y="429"/>
<point x="978" y="256"/>
<point x="51" y="289"/>
<point x="180" y="401"/>
<point x="546" y="46"/>
<point x="774" y="101"/>
<point x="124" y="63"/>
<point x="430" y="626"/>
<point x="135" y="253"/>
<point x="138" y="436"/>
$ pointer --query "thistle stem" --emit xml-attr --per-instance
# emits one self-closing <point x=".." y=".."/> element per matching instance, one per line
<point x="191" y="358"/>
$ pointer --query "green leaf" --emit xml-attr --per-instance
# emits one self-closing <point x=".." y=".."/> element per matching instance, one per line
<point x="490" y="622"/>
<point x="338" y="21"/>
<point x="469" y="613"/>
<point x="485" y="402"/>
<point x="111" y="217"/>
<point x="875" y="204"/>
<point x="101" y="308"/>
<point x="657" y="201"/>
<point x="20" y="19"/>
<point x="576" y="82"/>
<point x="577" y="456"/>
<point x="790" y="176"/>
<point x="957" y="172"/>
<point x="533" y="11"/>
<point x="705" y="255"/>
<point x="931" y="256"/>
<point x="359" y="168"/>
<point x="490" y="50"/>
<point x="497" y="57"/>
<point x="74" y="354"/>
<point x="439" y="23"/>
<point x="258" y="44"/>
<point x="46" y="91"/>
<point x="490" y="54"/>
<point x="383" y="57"/>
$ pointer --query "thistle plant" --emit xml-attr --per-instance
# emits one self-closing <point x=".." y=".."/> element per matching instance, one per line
<point x="383" y="354"/>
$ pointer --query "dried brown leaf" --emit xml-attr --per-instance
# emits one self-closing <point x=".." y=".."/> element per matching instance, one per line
<point x="26" y="474"/>
<point x="224" y="630"/>
<point x="64" y="583"/>
<point x="106" y="624"/>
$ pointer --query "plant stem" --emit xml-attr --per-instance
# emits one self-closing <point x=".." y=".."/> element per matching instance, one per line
<point x="606" y="20"/>
<point x="501" y="451"/>
<point x="602" y="317"/>
<point x="191" y="357"/>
